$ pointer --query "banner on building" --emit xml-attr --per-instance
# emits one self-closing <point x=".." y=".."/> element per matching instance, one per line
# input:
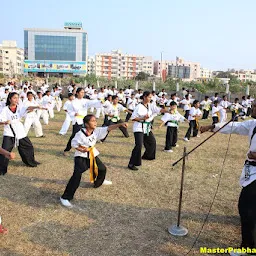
<point x="54" y="66"/>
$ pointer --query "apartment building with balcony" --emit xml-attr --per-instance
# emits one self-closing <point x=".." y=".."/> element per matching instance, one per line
<point x="118" y="65"/>
<point x="178" y="68"/>
<point x="11" y="58"/>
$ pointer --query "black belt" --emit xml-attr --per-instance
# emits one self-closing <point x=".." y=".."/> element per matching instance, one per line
<point x="250" y="163"/>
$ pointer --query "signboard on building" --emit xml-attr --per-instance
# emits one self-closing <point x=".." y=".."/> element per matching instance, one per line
<point x="54" y="66"/>
<point x="70" y="24"/>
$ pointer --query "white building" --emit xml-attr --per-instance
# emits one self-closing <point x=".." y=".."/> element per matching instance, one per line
<point x="91" y="68"/>
<point x="119" y="65"/>
<point x="205" y="73"/>
<point x="245" y="75"/>
<point x="11" y="59"/>
<point x="193" y="69"/>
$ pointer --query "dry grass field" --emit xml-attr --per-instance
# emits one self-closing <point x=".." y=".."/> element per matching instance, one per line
<point x="131" y="217"/>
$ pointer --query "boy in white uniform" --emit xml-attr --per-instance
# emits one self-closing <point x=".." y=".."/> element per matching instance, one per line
<point x="67" y="108"/>
<point x="194" y="114"/>
<point x="172" y="119"/>
<point x="31" y="118"/>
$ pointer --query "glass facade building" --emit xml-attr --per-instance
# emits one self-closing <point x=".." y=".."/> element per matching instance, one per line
<point x="182" y="72"/>
<point x="56" y="51"/>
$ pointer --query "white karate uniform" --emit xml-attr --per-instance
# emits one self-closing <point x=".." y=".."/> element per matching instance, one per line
<point x="31" y="118"/>
<point x="48" y="102"/>
<point x="223" y="113"/>
<point x="68" y="107"/>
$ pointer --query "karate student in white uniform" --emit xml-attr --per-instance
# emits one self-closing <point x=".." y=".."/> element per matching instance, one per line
<point x="223" y="111"/>
<point x="43" y="111"/>
<point x="56" y="99"/>
<point x="77" y="112"/>
<point x="67" y="108"/>
<point x="186" y="105"/>
<point x="114" y="115"/>
<point x="172" y="119"/>
<point x="206" y="104"/>
<point x="14" y="133"/>
<point x="48" y="102"/>
<point x="143" y="116"/>
<point x="86" y="157"/>
<point x="107" y="106"/>
<point x="194" y="114"/>
<point x="215" y="112"/>
<point x="131" y="104"/>
<point x="31" y="118"/>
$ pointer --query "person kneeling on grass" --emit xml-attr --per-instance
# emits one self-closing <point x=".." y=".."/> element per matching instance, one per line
<point x="172" y="119"/>
<point x="86" y="157"/>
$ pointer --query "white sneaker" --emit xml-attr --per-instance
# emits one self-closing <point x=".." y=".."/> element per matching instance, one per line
<point x="66" y="203"/>
<point x="198" y="136"/>
<point x="176" y="146"/>
<point x="168" y="150"/>
<point x="186" y="139"/>
<point x="107" y="182"/>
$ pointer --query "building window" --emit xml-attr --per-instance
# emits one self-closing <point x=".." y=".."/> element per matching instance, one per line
<point x="55" y="48"/>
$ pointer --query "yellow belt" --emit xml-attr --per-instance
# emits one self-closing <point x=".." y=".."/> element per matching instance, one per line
<point x="80" y="117"/>
<point x="197" y="123"/>
<point x="218" y="115"/>
<point x="93" y="165"/>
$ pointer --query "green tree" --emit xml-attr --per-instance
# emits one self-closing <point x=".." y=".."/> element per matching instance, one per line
<point x="142" y="76"/>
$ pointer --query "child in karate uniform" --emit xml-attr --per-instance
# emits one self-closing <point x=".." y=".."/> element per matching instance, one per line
<point x="172" y="119"/>
<point x="14" y="133"/>
<point x="215" y="112"/>
<point x="86" y="157"/>
<point x="193" y="117"/>
<point x="67" y="108"/>
<point x="32" y="118"/>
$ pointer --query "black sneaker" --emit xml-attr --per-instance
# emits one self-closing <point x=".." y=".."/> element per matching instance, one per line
<point x="132" y="167"/>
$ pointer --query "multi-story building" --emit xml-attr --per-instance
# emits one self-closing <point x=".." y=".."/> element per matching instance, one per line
<point x="178" y="69"/>
<point x="91" y="65"/>
<point x="206" y="73"/>
<point x="245" y="75"/>
<point x="11" y="59"/>
<point x="119" y="65"/>
<point x="59" y="51"/>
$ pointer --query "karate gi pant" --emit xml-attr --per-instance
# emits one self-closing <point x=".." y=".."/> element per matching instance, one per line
<point x="121" y="128"/>
<point x="186" y="114"/>
<point x="51" y="112"/>
<point x="223" y="116"/>
<point x="149" y="143"/>
<point x="205" y="114"/>
<point x="76" y="128"/>
<point x="234" y="118"/>
<point x="44" y="114"/>
<point x="58" y="105"/>
<point x="247" y="211"/>
<point x="128" y="116"/>
<point x="98" y="112"/>
<point x="81" y="165"/>
<point x="66" y="124"/>
<point x="26" y="151"/>
<point x="215" y="120"/>
<point x="192" y="127"/>
<point x="249" y="110"/>
<point x="171" y="137"/>
<point x="29" y="121"/>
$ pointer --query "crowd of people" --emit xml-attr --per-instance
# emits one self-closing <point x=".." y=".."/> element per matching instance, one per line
<point x="23" y="108"/>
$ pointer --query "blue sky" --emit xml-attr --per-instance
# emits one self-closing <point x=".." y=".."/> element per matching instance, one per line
<point x="219" y="34"/>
